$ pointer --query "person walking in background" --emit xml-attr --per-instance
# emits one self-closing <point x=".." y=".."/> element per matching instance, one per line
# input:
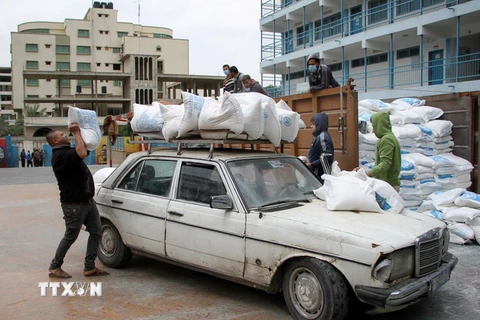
<point x="228" y="83"/>
<point x="253" y="85"/>
<point x="77" y="189"/>
<point x="23" y="156"/>
<point x="36" y="158"/>
<point x="321" y="144"/>
<point x="319" y="75"/>
<point x="28" y="157"/>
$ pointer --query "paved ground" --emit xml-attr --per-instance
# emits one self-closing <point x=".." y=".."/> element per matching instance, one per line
<point x="31" y="225"/>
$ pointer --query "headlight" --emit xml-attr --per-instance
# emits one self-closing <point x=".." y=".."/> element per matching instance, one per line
<point x="395" y="265"/>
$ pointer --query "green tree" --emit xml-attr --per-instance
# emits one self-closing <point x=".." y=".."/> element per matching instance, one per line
<point x="15" y="130"/>
<point x="34" y="111"/>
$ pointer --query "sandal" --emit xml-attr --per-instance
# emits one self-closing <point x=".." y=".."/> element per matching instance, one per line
<point x="59" y="273"/>
<point x="96" y="272"/>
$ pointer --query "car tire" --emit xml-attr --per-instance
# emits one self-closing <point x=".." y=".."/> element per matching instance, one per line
<point x="314" y="289"/>
<point x="112" y="251"/>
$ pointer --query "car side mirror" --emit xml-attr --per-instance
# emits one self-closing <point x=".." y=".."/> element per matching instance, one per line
<point x="221" y="202"/>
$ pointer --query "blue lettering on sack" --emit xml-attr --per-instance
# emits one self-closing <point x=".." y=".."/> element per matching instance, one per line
<point x="286" y="121"/>
<point x="437" y="214"/>
<point x="470" y="196"/>
<point x="407" y="165"/>
<point x="382" y="202"/>
<point x="425" y="130"/>
<point x="265" y="114"/>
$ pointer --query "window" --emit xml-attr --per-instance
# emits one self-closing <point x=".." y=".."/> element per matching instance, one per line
<point x="408" y="52"/>
<point x="48" y="63"/>
<point x="65" y="83"/>
<point x="106" y="48"/>
<point x="31" y="47"/>
<point x="378" y="58"/>
<point x="32" y="82"/>
<point x="103" y="14"/>
<point x="63" y="66"/>
<point x="117" y="66"/>
<point x="106" y="64"/>
<point x="84" y="83"/>
<point x="405" y="6"/>
<point x="32" y="65"/>
<point x="83" y="33"/>
<point x="335" y="67"/>
<point x="83" y="66"/>
<point x="48" y="96"/>
<point x="101" y="31"/>
<point x="117" y="83"/>
<point x="83" y="50"/>
<point x="162" y="35"/>
<point x="106" y="31"/>
<point x="48" y="46"/>
<point x="317" y="29"/>
<point x="332" y="25"/>
<point x="36" y="31"/>
<point x="427" y="3"/>
<point x="377" y="11"/>
<point x="99" y="48"/>
<point x="199" y="182"/>
<point x="32" y="96"/>
<point x="62" y="49"/>
<point x="116" y="50"/>
<point x="122" y="34"/>
<point x="303" y="35"/>
<point x="48" y="80"/>
<point x="98" y="64"/>
<point x="159" y="49"/>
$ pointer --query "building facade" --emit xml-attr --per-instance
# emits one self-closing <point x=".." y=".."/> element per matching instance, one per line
<point x="95" y="63"/>
<point x="6" y="107"/>
<point x="389" y="47"/>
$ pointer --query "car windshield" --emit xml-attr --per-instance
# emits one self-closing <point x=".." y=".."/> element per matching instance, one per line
<point x="266" y="181"/>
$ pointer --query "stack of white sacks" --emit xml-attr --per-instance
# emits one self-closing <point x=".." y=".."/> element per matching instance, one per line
<point x="427" y="162"/>
<point x="245" y="116"/>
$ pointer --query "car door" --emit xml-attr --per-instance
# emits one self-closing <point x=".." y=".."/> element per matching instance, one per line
<point x="140" y="203"/>
<point x="212" y="239"/>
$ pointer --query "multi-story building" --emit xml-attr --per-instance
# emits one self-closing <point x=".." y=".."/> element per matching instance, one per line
<point x="97" y="63"/>
<point x="6" y="107"/>
<point x="390" y="47"/>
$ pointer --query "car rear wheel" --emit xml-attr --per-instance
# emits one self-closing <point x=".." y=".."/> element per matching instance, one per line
<point x="112" y="251"/>
<point x="314" y="289"/>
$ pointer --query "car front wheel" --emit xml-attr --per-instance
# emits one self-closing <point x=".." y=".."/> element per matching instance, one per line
<point x="112" y="251"/>
<point x="314" y="289"/>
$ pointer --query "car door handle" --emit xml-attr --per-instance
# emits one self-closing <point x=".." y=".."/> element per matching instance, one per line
<point x="175" y="213"/>
<point x="117" y="201"/>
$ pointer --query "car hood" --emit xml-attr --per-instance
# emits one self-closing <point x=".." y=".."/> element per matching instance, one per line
<point x="358" y="235"/>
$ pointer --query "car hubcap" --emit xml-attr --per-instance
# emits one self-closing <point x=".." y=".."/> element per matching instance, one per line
<point x="107" y="244"/>
<point x="306" y="293"/>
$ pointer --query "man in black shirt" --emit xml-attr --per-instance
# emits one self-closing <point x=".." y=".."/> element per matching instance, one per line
<point x="319" y="75"/>
<point x="76" y="197"/>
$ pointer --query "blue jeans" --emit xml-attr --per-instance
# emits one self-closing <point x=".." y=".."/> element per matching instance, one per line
<point x="76" y="214"/>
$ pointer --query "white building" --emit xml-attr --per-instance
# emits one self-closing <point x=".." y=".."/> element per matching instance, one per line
<point x="6" y="107"/>
<point x="97" y="63"/>
<point x="390" y="47"/>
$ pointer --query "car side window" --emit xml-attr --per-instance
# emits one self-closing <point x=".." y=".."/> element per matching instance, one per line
<point x="199" y="182"/>
<point x="156" y="177"/>
<point x="129" y="182"/>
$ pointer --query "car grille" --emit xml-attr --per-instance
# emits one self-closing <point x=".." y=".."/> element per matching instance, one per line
<point x="428" y="252"/>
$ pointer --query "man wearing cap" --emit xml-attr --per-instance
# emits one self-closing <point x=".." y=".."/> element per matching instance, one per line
<point x="319" y="75"/>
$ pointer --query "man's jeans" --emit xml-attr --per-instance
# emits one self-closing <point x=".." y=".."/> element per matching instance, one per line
<point x="76" y="214"/>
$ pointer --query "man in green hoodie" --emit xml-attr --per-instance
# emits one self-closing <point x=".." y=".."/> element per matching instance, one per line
<point x="387" y="156"/>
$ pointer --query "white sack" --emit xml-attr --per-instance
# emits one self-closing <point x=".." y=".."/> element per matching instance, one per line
<point x="147" y="118"/>
<point x="225" y="115"/>
<point x="445" y="197"/>
<point x="459" y="214"/>
<point x="454" y="239"/>
<point x="367" y="138"/>
<point x="170" y="128"/>
<point x="468" y="199"/>
<point x="428" y="113"/>
<point x="462" y="230"/>
<point x="289" y="121"/>
<point x="272" y="130"/>
<point x="349" y="193"/>
<point x="459" y="163"/>
<point x="375" y="105"/>
<point x="193" y="106"/>
<point x="89" y="128"/>
<point x="320" y="193"/>
<point x="475" y="225"/>
<point x="407" y="131"/>
<point x="440" y="128"/>
<point x="408" y="103"/>
<point x="409" y="116"/>
<point x="170" y="112"/>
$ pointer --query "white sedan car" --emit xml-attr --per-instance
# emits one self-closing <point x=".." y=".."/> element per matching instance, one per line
<point x="251" y="217"/>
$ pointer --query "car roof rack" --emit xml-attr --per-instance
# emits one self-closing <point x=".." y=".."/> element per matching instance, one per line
<point x="185" y="142"/>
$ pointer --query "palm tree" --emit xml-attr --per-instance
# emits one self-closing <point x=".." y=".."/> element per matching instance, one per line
<point x="34" y="112"/>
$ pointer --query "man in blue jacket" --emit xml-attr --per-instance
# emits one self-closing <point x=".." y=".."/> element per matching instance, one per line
<point x="321" y="144"/>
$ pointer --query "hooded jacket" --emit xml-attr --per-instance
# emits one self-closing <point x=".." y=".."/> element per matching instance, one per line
<point x="257" y="87"/>
<point x="321" y="79"/>
<point x="388" y="158"/>
<point x="321" y="144"/>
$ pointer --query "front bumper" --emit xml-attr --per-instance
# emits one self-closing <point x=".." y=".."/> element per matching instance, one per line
<point x="410" y="291"/>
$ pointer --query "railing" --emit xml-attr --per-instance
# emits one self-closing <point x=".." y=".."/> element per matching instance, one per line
<point x="441" y="71"/>
<point x="348" y="25"/>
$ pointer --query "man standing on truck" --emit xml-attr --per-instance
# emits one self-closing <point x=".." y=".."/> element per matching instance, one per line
<point x="388" y="159"/>
<point x="319" y="75"/>
<point x="228" y="82"/>
<point x="237" y="80"/>
<point x="253" y="85"/>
